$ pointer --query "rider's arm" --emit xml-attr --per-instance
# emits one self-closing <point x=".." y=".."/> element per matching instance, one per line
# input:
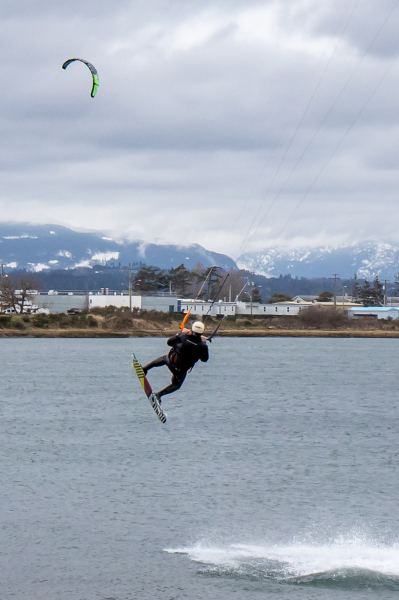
<point x="173" y="340"/>
<point x="204" y="353"/>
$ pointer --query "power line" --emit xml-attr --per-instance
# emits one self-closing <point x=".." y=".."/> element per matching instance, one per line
<point x="309" y="103"/>
<point x="336" y="148"/>
<point x="337" y="97"/>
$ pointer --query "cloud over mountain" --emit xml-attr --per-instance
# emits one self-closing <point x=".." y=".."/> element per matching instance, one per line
<point x="234" y="124"/>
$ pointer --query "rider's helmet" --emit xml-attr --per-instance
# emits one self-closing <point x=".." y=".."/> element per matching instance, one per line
<point x="198" y="327"/>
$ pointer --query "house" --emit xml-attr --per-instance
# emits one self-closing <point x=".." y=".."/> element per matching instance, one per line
<point x="303" y="299"/>
<point x="206" y="307"/>
<point x="258" y="309"/>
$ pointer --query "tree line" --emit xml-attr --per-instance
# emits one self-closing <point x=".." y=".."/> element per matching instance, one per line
<point x="187" y="284"/>
<point x="15" y="288"/>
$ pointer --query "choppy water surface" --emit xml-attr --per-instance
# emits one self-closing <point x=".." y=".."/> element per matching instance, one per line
<point x="276" y="474"/>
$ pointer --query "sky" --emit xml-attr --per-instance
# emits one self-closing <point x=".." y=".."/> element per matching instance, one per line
<point x="235" y="124"/>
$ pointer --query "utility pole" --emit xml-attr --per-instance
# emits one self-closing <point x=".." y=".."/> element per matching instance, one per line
<point x="1" y="278"/>
<point x="130" y="287"/>
<point x="335" y="275"/>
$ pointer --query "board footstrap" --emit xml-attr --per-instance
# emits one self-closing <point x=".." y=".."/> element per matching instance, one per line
<point x="157" y="408"/>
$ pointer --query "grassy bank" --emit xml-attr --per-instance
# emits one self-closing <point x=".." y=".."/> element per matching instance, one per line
<point x="121" y="323"/>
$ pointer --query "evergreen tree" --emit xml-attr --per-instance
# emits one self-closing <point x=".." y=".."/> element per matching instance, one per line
<point x="198" y="277"/>
<point x="150" y="279"/>
<point x="256" y="295"/>
<point x="279" y="297"/>
<point x="366" y="294"/>
<point x="372" y="295"/>
<point x="396" y="285"/>
<point x="214" y="283"/>
<point x="355" y="288"/>
<point x="181" y="280"/>
<point x="325" y="297"/>
<point x="378" y="292"/>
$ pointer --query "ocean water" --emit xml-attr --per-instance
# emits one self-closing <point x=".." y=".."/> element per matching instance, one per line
<point x="276" y="475"/>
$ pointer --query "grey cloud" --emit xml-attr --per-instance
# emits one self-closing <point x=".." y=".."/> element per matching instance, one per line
<point x="370" y="27"/>
<point x="213" y="132"/>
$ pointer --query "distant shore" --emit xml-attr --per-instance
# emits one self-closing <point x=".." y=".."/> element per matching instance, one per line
<point x="122" y="324"/>
<point x="33" y="332"/>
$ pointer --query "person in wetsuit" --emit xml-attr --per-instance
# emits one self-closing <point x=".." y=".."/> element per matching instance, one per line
<point x="187" y="348"/>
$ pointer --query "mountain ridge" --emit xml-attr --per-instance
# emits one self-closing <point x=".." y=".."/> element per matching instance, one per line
<point x="44" y="247"/>
<point x="49" y="247"/>
<point x="366" y="259"/>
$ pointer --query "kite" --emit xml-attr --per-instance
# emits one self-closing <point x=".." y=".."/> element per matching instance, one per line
<point x="93" y="70"/>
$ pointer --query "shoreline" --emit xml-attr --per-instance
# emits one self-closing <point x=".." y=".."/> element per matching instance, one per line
<point x="33" y="332"/>
<point x="122" y="324"/>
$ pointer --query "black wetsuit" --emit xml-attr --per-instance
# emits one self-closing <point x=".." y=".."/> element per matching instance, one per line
<point x="187" y="349"/>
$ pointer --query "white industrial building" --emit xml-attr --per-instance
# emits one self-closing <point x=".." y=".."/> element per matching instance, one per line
<point x="160" y="303"/>
<point x="374" y="312"/>
<point x="60" y="302"/>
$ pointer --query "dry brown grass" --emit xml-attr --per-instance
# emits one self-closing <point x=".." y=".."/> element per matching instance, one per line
<point x="122" y="323"/>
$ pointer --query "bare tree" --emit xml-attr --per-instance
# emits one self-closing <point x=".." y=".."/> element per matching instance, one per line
<point x="7" y="294"/>
<point x="16" y="292"/>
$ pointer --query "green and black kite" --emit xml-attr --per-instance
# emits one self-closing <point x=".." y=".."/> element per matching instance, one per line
<point x="93" y="70"/>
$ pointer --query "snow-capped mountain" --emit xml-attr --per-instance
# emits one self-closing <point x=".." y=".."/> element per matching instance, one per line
<point x="43" y="247"/>
<point x="48" y="247"/>
<point x="366" y="259"/>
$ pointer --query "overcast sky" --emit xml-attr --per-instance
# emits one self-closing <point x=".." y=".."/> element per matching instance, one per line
<point x="236" y="124"/>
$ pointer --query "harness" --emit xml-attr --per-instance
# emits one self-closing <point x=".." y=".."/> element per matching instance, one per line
<point x="184" y="354"/>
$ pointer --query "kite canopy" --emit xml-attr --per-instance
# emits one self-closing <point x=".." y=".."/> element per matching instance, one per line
<point x="93" y="70"/>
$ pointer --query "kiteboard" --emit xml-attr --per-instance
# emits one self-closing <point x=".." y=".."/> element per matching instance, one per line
<point x="145" y="384"/>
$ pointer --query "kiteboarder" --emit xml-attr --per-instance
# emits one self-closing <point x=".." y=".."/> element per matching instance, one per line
<point x="187" y="347"/>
